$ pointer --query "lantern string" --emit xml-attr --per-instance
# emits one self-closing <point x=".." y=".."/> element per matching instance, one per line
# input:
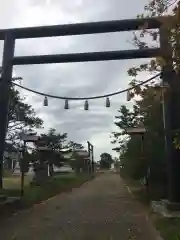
<point x="88" y="98"/>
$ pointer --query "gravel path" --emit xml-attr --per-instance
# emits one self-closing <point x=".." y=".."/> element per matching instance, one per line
<point x="101" y="209"/>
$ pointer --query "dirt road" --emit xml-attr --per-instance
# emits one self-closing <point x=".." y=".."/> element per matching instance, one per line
<point x="101" y="209"/>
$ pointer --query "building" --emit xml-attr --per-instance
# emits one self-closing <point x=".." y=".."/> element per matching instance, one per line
<point x="11" y="157"/>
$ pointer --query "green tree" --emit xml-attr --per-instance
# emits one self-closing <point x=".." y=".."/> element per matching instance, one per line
<point x="116" y="163"/>
<point x="55" y="142"/>
<point x="150" y="107"/>
<point x="106" y="160"/>
<point x="75" y="145"/>
<point x="79" y="163"/>
<point x="21" y="115"/>
<point x="135" y="161"/>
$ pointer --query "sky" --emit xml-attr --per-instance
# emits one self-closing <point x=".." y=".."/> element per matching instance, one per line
<point x="74" y="79"/>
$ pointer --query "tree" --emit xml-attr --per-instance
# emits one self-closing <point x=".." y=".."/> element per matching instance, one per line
<point x="55" y="142"/>
<point x="77" y="162"/>
<point x="75" y="145"/>
<point x="106" y="161"/>
<point x="21" y="115"/>
<point x="116" y="164"/>
<point x="150" y="105"/>
<point x="147" y="112"/>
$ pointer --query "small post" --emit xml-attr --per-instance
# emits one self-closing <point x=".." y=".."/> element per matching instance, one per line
<point x="5" y="83"/>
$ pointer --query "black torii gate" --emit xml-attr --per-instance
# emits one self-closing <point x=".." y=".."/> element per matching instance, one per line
<point x="10" y="35"/>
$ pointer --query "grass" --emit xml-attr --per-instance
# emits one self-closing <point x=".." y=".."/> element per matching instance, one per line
<point x="34" y="194"/>
<point x="138" y="191"/>
<point x="14" y="182"/>
<point x="169" y="228"/>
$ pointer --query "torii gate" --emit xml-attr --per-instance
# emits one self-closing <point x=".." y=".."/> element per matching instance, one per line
<point x="171" y="122"/>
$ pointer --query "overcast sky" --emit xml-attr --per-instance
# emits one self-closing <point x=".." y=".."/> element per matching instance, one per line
<point x="74" y="79"/>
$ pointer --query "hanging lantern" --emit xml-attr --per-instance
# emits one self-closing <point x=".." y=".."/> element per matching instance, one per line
<point x="108" y="104"/>
<point x="128" y="96"/>
<point x="86" y="105"/>
<point x="45" y="101"/>
<point x="66" y="105"/>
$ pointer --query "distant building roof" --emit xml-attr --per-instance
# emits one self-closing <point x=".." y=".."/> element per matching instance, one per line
<point x="66" y="150"/>
<point x="82" y="152"/>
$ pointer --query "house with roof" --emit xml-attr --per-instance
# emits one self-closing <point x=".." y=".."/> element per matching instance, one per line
<point x="11" y="156"/>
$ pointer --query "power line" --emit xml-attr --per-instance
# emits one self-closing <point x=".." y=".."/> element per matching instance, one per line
<point x="88" y="98"/>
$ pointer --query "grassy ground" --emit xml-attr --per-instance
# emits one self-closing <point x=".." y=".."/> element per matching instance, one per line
<point x="36" y="194"/>
<point x="168" y="228"/>
<point x="14" y="182"/>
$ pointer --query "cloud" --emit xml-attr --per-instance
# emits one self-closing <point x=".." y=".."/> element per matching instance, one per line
<point x="74" y="80"/>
